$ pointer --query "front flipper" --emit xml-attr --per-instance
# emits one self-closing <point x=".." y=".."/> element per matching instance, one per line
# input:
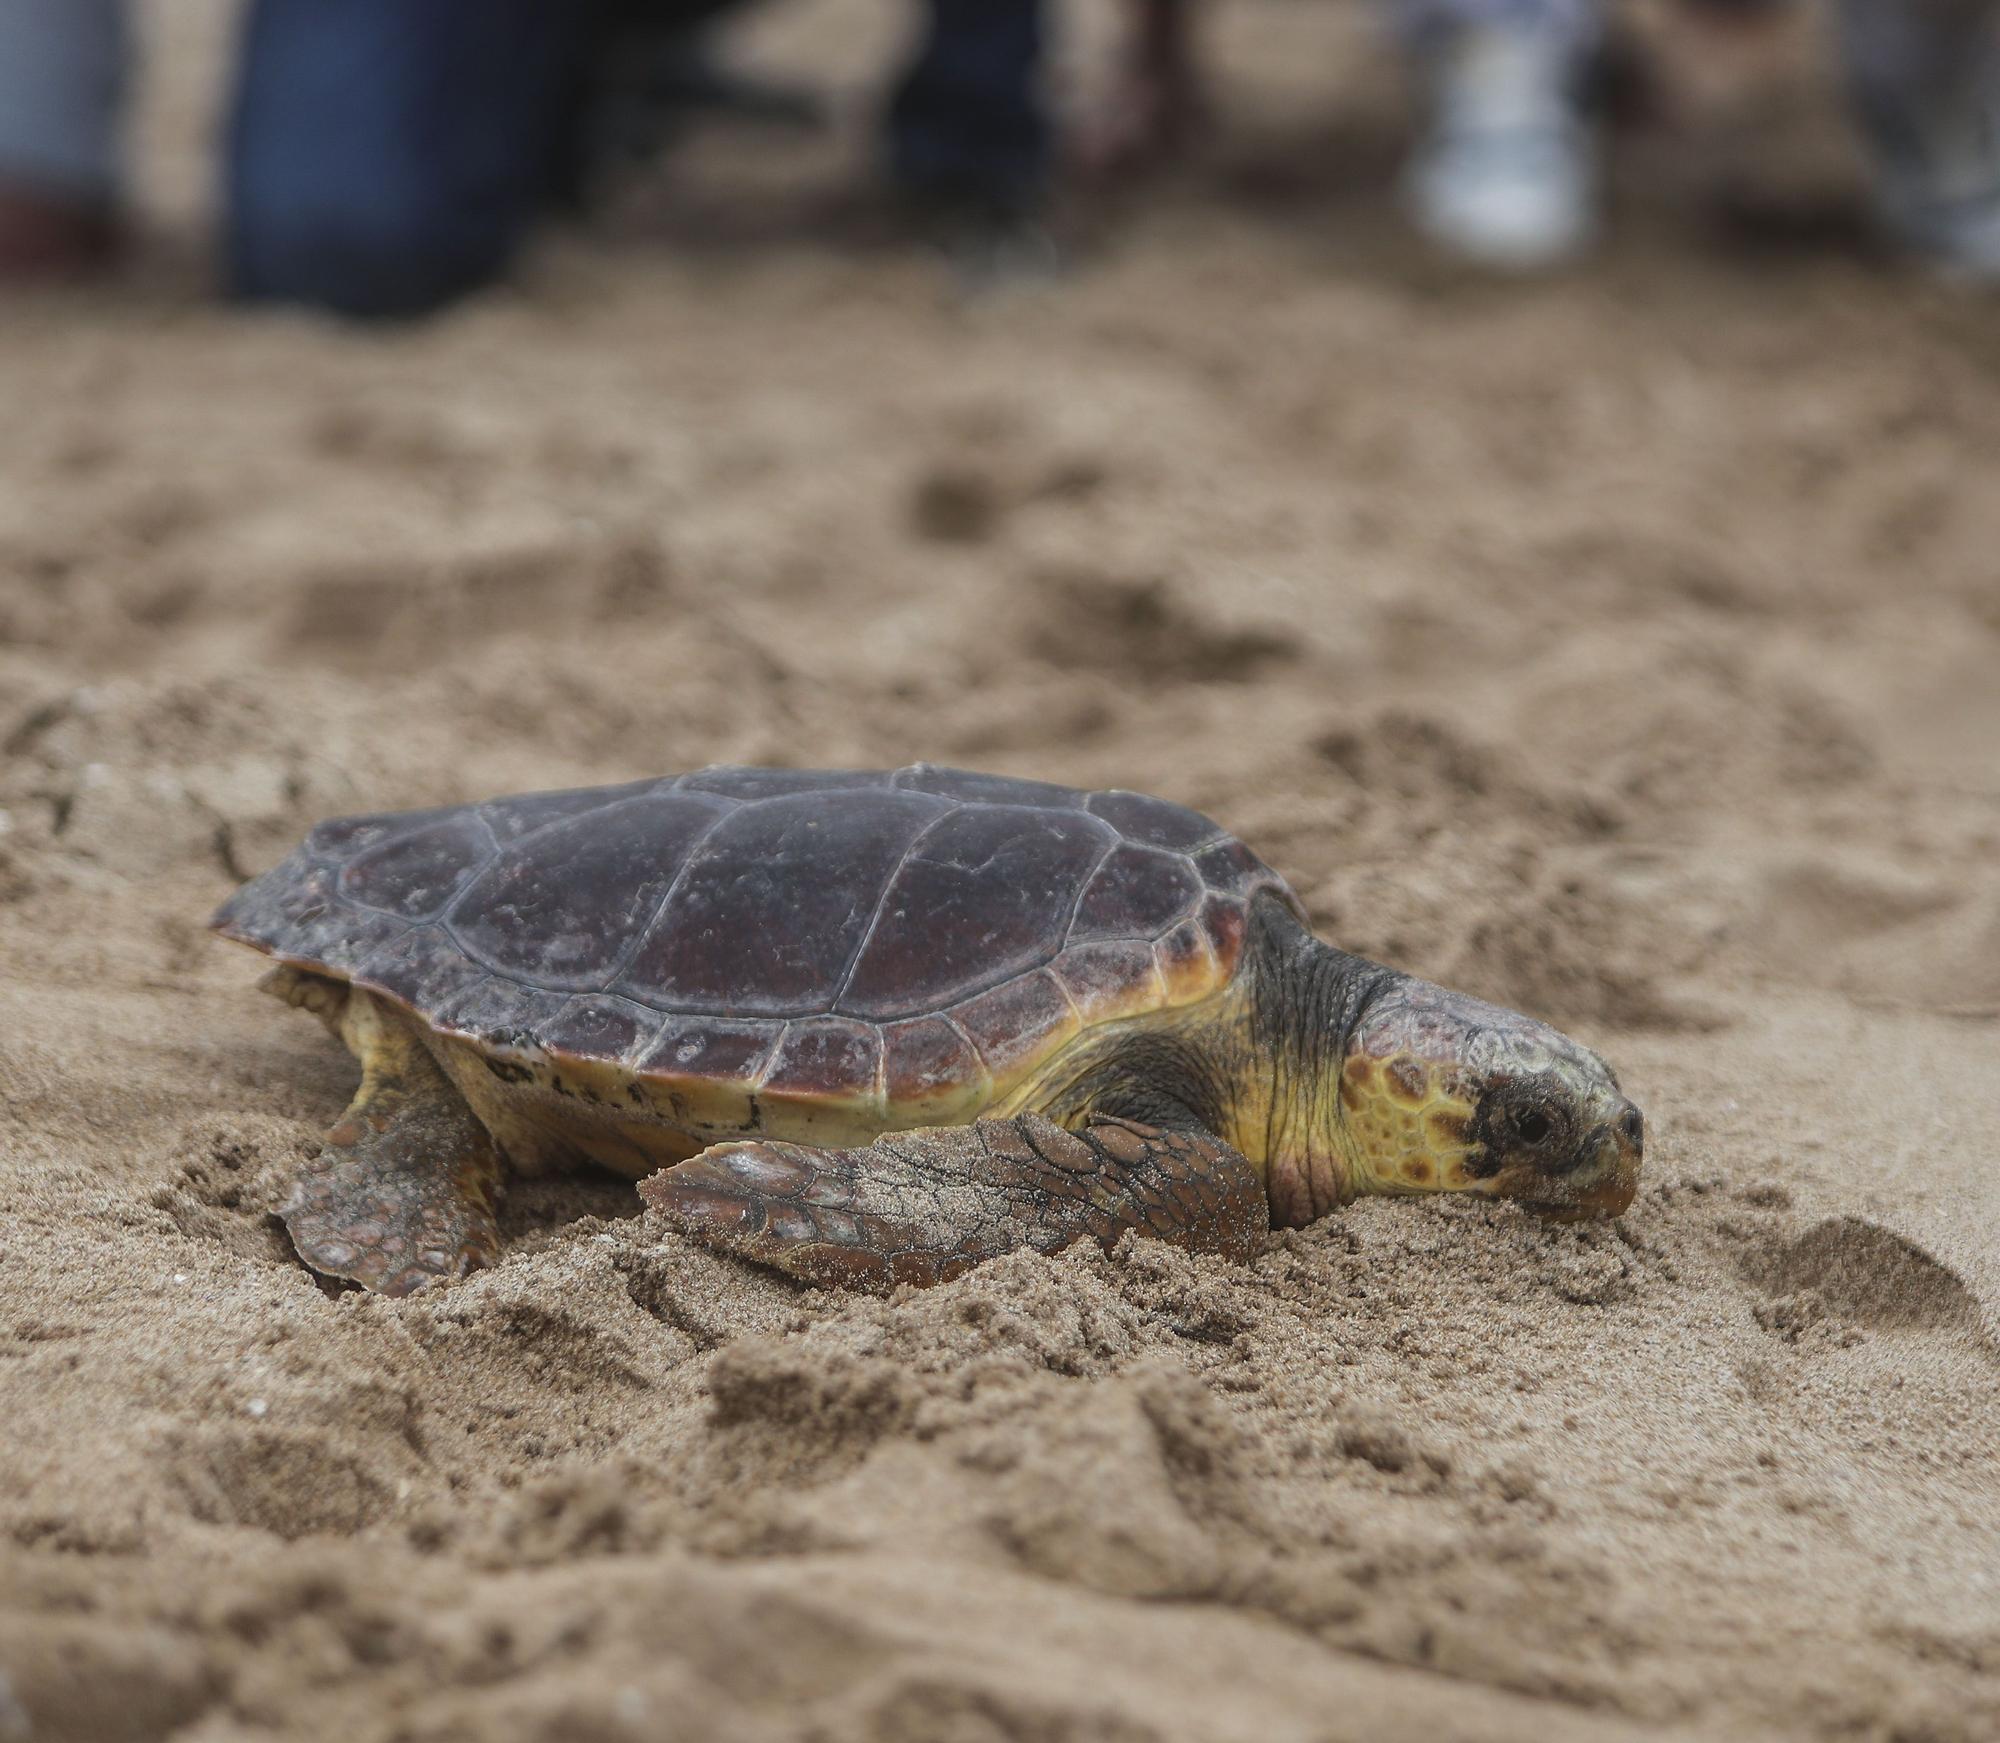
<point x="925" y="1206"/>
<point x="402" y="1193"/>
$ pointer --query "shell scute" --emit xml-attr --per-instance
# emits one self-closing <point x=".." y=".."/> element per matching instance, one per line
<point x="769" y="910"/>
<point x="929" y="1068"/>
<point x="277" y="910"/>
<point x="1187" y="963"/>
<point x="1228" y="864"/>
<point x="346" y="939"/>
<point x="1018" y="1021"/>
<point x="565" y="908"/>
<point x="1227" y="923"/>
<point x="599" y="1026"/>
<point x="1154" y="822"/>
<point x="825" y="1057"/>
<point x="985" y="895"/>
<point x="708" y="1047"/>
<point x="424" y="967"/>
<point x="416" y="872"/>
<point x="502" y="1014"/>
<point x="298" y="913"/>
<point x="341" y="838"/>
<point x="1110" y="978"/>
<point x="1138" y="892"/>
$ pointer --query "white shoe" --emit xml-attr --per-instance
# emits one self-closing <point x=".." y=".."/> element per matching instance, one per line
<point x="1507" y="174"/>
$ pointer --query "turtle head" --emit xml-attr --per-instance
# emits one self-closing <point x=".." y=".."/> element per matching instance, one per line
<point x="1441" y="1092"/>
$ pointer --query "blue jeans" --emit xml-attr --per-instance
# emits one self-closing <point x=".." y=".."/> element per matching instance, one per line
<point x="386" y="157"/>
<point x="967" y="119"/>
<point x="62" y="83"/>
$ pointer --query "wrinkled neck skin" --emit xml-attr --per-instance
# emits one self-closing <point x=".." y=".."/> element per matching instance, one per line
<point x="1307" y="999"/>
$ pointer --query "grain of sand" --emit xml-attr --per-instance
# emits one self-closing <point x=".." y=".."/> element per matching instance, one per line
<point x="1622" y="648"/>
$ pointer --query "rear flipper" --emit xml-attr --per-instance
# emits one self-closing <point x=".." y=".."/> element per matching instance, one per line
<point x="402" y="1194"/>
<point x="925" y="1206"/>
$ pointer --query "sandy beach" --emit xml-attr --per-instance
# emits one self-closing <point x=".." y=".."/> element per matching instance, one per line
<point x="1620" y="647"/>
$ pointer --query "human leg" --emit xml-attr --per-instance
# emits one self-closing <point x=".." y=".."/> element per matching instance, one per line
<point x="388" y="156"/>
<point x="967" y="120"/>
<point x="1925" y="81"/>
<point x="1505" y="171"/>
<point x="62" y="67"/>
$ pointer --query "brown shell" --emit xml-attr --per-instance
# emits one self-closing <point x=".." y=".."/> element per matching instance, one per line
<point x="898" y="938"/>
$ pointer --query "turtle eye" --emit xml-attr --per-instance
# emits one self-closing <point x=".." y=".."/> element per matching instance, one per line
<point x="1525" y="1120"/>
<point x="1531" y="1125"/>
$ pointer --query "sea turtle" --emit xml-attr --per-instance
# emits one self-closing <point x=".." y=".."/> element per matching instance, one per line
<point x="872" y="1028"/>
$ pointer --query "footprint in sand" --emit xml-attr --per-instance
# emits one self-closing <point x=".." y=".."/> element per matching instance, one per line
<point x="1855" y="1271"/>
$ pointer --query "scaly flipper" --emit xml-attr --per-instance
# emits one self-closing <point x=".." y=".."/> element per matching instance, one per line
<point x="924" y="1206"/>
<point x="402" y="1194"/>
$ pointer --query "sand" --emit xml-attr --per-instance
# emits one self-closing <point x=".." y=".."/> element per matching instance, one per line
<point x="1620" y="647"/>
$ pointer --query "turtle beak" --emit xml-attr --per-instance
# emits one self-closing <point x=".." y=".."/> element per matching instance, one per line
<point x="1606" y="1176"/>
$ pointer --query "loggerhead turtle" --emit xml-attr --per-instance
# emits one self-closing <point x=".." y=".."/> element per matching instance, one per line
<point x="874" y="1028"/>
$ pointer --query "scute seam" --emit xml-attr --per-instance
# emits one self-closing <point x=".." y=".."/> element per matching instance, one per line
<point x="971" y="1047"/>
<point x="1090" y="877"/>
<point x="441" y="1017"/>
<point x="951" y="809"/>
<point x="619" y="968"/>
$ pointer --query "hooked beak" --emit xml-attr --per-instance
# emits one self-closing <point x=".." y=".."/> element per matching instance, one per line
<point x="1607" y="1176"/>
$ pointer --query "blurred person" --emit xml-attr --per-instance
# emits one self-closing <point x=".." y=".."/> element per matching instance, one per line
<point x="1155" y="103"/>
<point x="648" y="70"/>
<point x="385" y="157"/>
<point x="1505" y="171"/>
<point x="61" y="82"/>
<point x="967" y="124"/>
<point x="1925" y="81"/>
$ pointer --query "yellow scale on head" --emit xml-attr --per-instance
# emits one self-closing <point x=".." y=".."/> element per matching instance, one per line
<point x="1409" y="1124"/>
